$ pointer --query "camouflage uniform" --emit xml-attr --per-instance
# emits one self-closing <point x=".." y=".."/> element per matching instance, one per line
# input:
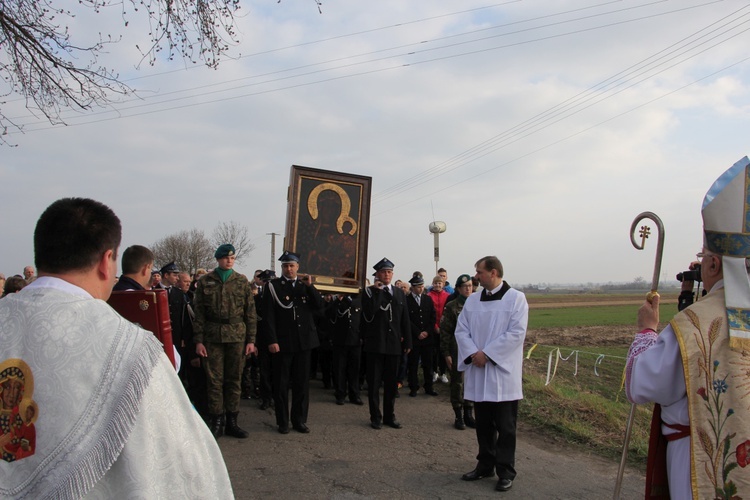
<point x="225" y="323"/>
<point x="449" y="347"/>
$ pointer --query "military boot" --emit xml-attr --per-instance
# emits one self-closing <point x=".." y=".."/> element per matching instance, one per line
<point x="459" y="423"/>
<point x="469" y="418"/>
<point x="216" y="425"/>
<point x="232" y="429"/>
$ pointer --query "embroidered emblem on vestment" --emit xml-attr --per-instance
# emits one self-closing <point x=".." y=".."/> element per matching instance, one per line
<point x="18" y="411"/>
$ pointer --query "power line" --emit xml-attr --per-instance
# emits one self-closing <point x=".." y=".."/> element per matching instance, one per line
<point x="582" y="101"/>
<point x="144" y="102"/>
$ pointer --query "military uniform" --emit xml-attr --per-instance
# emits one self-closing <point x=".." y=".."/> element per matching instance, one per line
<point x="386" y="335"/>
<point x="449" y="347"/>
<point x="264" y="357"/>
<point x="225" y="322"/>
<point x="422" y="319"/>
<point x="345" y="314"/>
<point x="288" y="313"/>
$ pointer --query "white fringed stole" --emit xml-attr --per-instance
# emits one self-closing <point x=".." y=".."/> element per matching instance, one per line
<point x="90" y="369"/>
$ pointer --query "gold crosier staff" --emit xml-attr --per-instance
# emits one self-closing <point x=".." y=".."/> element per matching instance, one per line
<point x="644" y="233"/>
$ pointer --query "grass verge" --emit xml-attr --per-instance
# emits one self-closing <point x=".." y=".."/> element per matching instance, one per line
<point x="583" y="403"/>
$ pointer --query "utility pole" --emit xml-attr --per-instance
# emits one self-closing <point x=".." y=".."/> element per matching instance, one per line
<point x="273" y="251"/>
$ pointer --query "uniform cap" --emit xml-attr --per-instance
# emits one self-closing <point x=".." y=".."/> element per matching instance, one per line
<point x="383" y="264"/>
<point x="169" y="268"/>
<point x="267" y="275"/>
<point x="416" y="280"/>
<point x="288" y="256"/>
<point x="225" y="250"/>
<point x="464" y="278"/>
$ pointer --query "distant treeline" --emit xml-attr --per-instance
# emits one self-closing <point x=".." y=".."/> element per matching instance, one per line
<point x="637" y="285"/>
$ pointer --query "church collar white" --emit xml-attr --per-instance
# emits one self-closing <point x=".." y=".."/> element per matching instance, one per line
<point x="497" y="289"/>
<point x="57" y="284"/>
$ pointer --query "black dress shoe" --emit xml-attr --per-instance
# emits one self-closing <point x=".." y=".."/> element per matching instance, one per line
<point x="339" y="402"/>
<point x="504" y="484"/>
<point x="376" y="425"/>
<point x="283" y="429"/>
<point x="478" y="474"/>
<point x="357" y="401"/>
<point x="265" y="405"/>
<point x="412" y="394"/>
<point x="431" y="392"/>
<point x="394" y="424"/>
<point x="302" y="428"/>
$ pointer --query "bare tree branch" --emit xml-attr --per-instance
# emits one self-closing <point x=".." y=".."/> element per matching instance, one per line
<point x="40" y="62"/>
<point x="236" y="234"/>
<point x="190" y="250"/>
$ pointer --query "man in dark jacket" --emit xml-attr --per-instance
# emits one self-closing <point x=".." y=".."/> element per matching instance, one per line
<point x="265" y="376"/>
<point x="289" y="305"/>
<point x="386" y="337"/>
<point x="423" y="336"/>
<point x="136" y="269"/>
<point x="345" y="312"/>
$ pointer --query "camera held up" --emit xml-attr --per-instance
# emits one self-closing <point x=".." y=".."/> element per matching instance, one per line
<point x="691" y="275"/>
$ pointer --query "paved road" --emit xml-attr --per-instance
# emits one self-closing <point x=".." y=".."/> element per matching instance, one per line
<point x="343" y="458"/>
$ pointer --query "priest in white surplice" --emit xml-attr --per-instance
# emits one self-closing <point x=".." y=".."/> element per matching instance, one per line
<point x="490" y="333"/>
<point x="91" y="406"/>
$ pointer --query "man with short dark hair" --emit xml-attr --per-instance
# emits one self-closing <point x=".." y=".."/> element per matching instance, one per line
<point x="137" y="261"/>
<point x="446" y="285"/>
<point x="103" y="387"/>
<point x="490" y="333"/>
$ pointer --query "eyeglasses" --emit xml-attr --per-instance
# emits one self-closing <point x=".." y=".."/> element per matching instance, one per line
<point x="700" y="255"/>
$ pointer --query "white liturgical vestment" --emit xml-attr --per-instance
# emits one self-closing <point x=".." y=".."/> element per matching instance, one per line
<point x="497" y="328"/>
<point x="93" y="407"/>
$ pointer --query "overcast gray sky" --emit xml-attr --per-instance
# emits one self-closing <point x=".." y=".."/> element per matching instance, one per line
<point x="535" y="130"/>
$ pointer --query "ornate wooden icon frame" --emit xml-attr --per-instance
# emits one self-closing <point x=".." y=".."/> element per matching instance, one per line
<point x="327" y="223"/>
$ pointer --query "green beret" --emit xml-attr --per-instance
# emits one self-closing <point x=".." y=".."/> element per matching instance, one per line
<point x="224" y="250"/>
<point x="462" y="279"/>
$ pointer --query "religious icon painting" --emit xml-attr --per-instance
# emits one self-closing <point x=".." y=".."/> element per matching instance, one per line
<point x="328" y="220"/>
<point x="18" y="410"/>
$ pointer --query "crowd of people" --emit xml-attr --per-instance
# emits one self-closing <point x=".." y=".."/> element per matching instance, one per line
<point x="95" y="385"/>
<point x="266" y="337"/>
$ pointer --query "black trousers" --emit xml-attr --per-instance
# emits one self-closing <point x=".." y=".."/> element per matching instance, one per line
<point x="265" y="375"/>
<point x="346" y="371"/>
<point x="425" y="353"/>
<point x="496" y="435"/>
<point x="382" y="368"/>
<point x="291" y="370"/>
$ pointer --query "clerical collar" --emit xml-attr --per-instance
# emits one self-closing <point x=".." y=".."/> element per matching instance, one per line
<point x="57" y="284"/>
<point x="496" y="293"/>
<point x="497" y="288"/>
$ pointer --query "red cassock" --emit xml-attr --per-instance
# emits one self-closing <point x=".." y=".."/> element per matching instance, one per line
<point x="148" y="309"/>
